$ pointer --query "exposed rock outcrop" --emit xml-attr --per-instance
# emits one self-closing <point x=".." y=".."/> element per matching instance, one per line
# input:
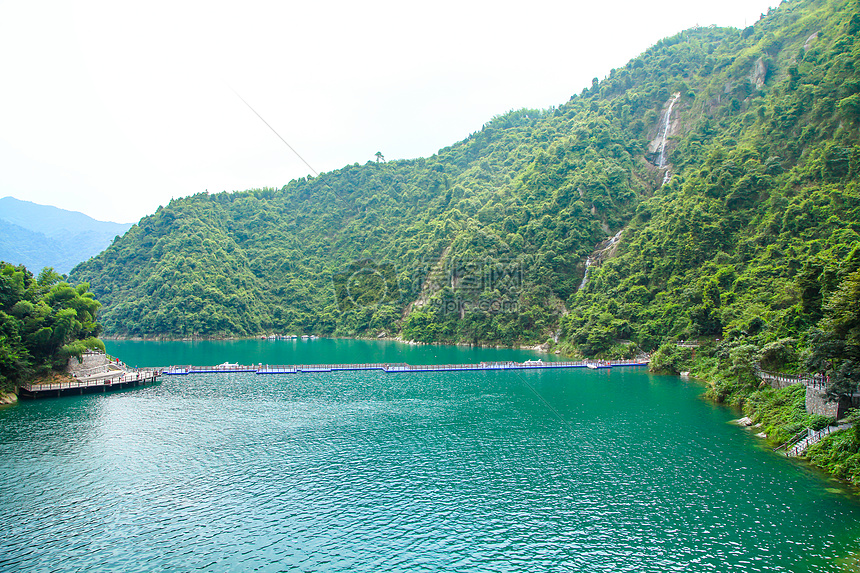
<point x="759" y="73"/>
<point x="669" y="126"/>
<point x="604" y="250"/>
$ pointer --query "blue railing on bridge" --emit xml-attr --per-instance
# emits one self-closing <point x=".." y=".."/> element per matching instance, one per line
<point x="395" y="367"/>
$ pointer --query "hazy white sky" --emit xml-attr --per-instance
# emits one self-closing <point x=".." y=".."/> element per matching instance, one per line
<point x="113" y="108"/>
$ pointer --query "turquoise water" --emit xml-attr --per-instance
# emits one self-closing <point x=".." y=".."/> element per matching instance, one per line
<point x="572" y="470"/>
<point x="319" y="351"/>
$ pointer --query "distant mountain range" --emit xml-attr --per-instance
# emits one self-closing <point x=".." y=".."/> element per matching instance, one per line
<point x="40" y="236"/>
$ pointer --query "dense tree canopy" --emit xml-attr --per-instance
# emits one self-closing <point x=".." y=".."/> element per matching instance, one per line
<point x="43" y="321"/>
<point x="755" y="238"/>
<point x="751" y="240"/>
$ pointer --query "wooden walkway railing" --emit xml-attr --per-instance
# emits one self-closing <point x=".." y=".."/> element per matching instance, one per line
<point x="812" y="437"/>
<point x="815" y="381"/>
<point x="104" y="382"/>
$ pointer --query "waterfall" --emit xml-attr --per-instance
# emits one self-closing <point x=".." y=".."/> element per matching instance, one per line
<point x="585" y="276"/>
<point x="662" y="161"/>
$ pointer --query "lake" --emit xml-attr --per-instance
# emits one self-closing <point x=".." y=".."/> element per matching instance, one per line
<point x="539" y="470"/>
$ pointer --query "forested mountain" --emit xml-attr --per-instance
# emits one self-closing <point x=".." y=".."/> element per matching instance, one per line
<point x="760" y="225"/>
<point x="750" y="229"/>
<point x="40" y="236"/>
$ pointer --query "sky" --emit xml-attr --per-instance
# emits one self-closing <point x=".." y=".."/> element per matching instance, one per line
<point x="114" y="108"/>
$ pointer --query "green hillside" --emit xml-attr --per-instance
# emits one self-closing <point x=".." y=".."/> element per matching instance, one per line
<point x="761" y="222"/>
<point x="486" y="241"/>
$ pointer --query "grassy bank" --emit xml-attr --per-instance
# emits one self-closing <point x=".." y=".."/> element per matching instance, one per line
<point x="727" y="369"/>
<point x="839" y="453"/>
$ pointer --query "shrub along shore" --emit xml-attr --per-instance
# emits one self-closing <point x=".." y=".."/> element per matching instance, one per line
<point x="728" y="370"/>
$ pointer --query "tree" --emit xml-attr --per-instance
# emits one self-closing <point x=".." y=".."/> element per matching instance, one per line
<point x="835" y="346"/>
<point x="39" y="318"/>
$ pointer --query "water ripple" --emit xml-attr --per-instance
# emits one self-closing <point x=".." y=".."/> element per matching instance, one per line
<point x="368" y="472"/>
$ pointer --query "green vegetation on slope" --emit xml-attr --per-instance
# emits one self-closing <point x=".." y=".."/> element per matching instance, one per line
<point x="43" y="322"/>
<point x="502" y="220"/>
<point x="763" y="212"/>
<point x="782" y="413"/>
<point x="749" y="241"/>
<point x="839" y="453"/>
<point x="755" y="239"/>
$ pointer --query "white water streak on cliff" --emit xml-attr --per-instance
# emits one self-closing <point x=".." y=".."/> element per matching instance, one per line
<point x="585" y="276"/>
<point x="662" y="161"/>
<point x="602" y="251"/>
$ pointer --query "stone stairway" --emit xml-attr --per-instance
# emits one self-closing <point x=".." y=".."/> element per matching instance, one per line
<point x="812" y="437"/>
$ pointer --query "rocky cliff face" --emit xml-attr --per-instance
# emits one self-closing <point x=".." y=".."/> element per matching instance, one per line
<point x="759" y="73"/>
<point x="669" y="125"/>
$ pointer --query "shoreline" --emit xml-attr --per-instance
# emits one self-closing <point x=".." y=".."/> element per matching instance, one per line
<point x="8" y="398"/>
<point x="754" y="417"/>
<point x="545" y="348"/>
<point x="737" y="402"/>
